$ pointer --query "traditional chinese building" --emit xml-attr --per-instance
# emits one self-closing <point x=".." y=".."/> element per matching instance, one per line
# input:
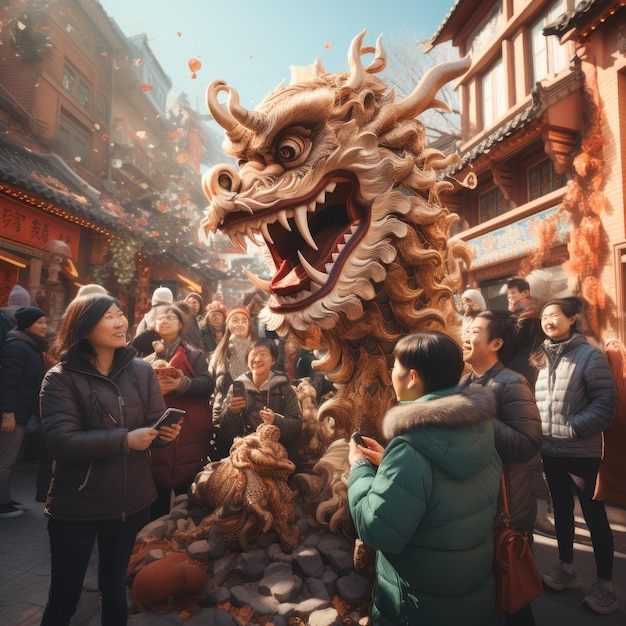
<point x="541" y="184"/>
<point x="91" y="158"/>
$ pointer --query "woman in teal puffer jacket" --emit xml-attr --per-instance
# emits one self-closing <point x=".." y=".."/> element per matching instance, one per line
<point x="429" y="507"/>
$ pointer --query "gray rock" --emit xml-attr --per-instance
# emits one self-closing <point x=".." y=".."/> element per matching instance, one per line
<point x="281" y="583"/>
<point x="223" y="567"/>
<point x="353" y="588"/>
<point x="325" y="617"/>
<point x="310" y="561"/>
<point x="329" y="579"/>
<point x="154" y="555"/>
<point x="199" y="550"/>
<point x="265" y="605"/>
<point x="251" y="565"/>
<point x="341" y="561"/>
<point x="317" y="589"/>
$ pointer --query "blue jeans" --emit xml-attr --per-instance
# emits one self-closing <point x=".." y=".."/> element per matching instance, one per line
<point x="71" y="544"/>
<point x="569" y="475"/>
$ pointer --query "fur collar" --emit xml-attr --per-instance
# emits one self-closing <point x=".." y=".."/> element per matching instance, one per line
<point x="464" y="408"/>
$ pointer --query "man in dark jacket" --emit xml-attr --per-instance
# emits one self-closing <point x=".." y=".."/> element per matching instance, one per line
<point x="517" y="426"/>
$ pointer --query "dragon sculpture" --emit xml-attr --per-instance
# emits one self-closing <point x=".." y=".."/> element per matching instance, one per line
<point x="336" y="180"/>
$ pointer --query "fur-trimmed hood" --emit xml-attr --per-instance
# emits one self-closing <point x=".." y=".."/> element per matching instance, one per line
<point x="466" y="407"/>
<point x="455" y="432"/>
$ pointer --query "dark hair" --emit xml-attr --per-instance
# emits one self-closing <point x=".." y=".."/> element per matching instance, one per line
<point x="436" y="357"/>
<point x="502" y="325"/>
<point x="519" y="283"/>
<point x="172" y="309"/>
<point x="261" y="342"/>
<point x="571" y="306"/>
<point x="81" y="317"/>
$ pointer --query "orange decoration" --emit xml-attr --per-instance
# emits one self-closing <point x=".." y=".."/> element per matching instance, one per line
<point x="160" y="208"/>
<point x="146" y="87"/>
<point x="179" y="34"/>
<point x="328" y="45"/>
<point x="194" y="66"/>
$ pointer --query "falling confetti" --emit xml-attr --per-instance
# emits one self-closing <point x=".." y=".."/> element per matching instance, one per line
<point x="141" y="134"/>
<point x="146" y="87"/>
<point x="179" y="34"/>
<point x="194" y="66"/>
<point x="137" y="62"/>
<point x="328" y="45"/>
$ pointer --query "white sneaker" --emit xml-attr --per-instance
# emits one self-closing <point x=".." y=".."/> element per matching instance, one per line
<point x="601" y="600"/>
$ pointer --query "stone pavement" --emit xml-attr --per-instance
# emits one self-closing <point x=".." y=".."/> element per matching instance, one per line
<point x="25" y="571"/>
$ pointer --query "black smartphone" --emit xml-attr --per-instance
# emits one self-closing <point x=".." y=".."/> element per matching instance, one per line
<point x="169" y="417"/>
<point x="358" y="439"/>
<point x="239" y="390"/>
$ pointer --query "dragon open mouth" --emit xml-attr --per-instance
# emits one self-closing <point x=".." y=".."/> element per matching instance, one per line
<point x="308" y="238"/>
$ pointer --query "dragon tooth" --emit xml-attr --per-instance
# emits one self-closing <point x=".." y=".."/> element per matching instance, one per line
<point x="239" y="241"/>
<point x="263" y="285"/>
<point x="251" y="235"/>
<point x="315" y="275"/>
<point x="334" y="256"/>
<point x="328" y="267"/>
<point x="282" y="218"/>
<point x="311" y="206"/>
<point x="302" y="225"/>
<point x="354" y="228"/>
<point x="266" y="233"/>
<point x="331" y="186"/>
<point x="236" y="239"/>
<point x="322" y="197"/>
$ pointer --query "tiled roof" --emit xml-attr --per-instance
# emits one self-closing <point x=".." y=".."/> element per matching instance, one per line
<point x="502" y="133"/>
<point x="39" y="175"/>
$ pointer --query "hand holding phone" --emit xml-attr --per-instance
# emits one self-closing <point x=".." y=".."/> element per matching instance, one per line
<point x="239" y="397"/>
<point x="356" y="436"/>
<point x="169" y="417"/>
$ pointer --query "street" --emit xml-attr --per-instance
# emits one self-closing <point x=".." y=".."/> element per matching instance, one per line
<point x="24" y="570"/>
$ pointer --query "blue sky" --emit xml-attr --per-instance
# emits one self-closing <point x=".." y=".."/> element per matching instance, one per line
<point x="252" y="43"/>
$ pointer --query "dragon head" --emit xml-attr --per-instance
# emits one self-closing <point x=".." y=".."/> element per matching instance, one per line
<point x="333" y="171"/>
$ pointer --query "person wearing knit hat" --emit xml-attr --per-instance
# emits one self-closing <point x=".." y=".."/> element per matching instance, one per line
<point x="194" y="300"/>
<point x="473" y="300"/>
<point x="19" y="296"/>
<point x="212" y="326"/>
<point x="91" y="289"/>
<point x="229" y="359"/>
<point x="22" y="368"/>
<point x="26" y="316"/>
<point x="162" y="295"/>
<point x="473" y="303"/>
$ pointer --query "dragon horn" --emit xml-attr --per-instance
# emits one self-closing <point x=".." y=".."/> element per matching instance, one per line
<point x="435" y="78"/>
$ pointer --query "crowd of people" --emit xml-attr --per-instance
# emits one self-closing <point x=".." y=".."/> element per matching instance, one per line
<point x="524" y="394"/>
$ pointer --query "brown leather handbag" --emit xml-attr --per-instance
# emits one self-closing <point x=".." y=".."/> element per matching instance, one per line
<point x="517" y="580"/>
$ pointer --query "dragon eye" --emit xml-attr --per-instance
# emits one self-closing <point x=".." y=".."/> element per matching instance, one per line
<point x="293" y="149"/>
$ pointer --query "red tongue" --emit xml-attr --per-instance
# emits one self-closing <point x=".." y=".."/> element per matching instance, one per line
<point x="287" y="278"/>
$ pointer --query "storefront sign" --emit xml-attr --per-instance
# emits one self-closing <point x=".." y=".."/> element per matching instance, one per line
<point x="26" y="225"/>
<point x="516" y="239"/>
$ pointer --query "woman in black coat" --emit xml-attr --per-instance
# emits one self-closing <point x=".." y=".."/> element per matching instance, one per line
<point x="98" y="405"/>
<point x="22" y="368"/>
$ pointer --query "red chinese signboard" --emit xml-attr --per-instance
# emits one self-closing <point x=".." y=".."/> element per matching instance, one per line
<point x="26" y="225"/>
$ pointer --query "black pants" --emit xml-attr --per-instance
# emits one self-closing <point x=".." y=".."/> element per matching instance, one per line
<point x="71" y="544"/>
<point x="566" y="475"/>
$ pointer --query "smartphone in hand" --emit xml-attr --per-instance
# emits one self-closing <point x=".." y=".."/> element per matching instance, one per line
<point x="169" y="417"/>
<point x="356" y="436"/>
<point x="239" y="390"/>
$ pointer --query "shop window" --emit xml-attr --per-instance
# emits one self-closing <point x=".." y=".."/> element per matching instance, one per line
<point x="542" y="179"/>
<point x="548" y="55"/>
<point x="493" y="94"/>
<point x="492" y="203"/>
